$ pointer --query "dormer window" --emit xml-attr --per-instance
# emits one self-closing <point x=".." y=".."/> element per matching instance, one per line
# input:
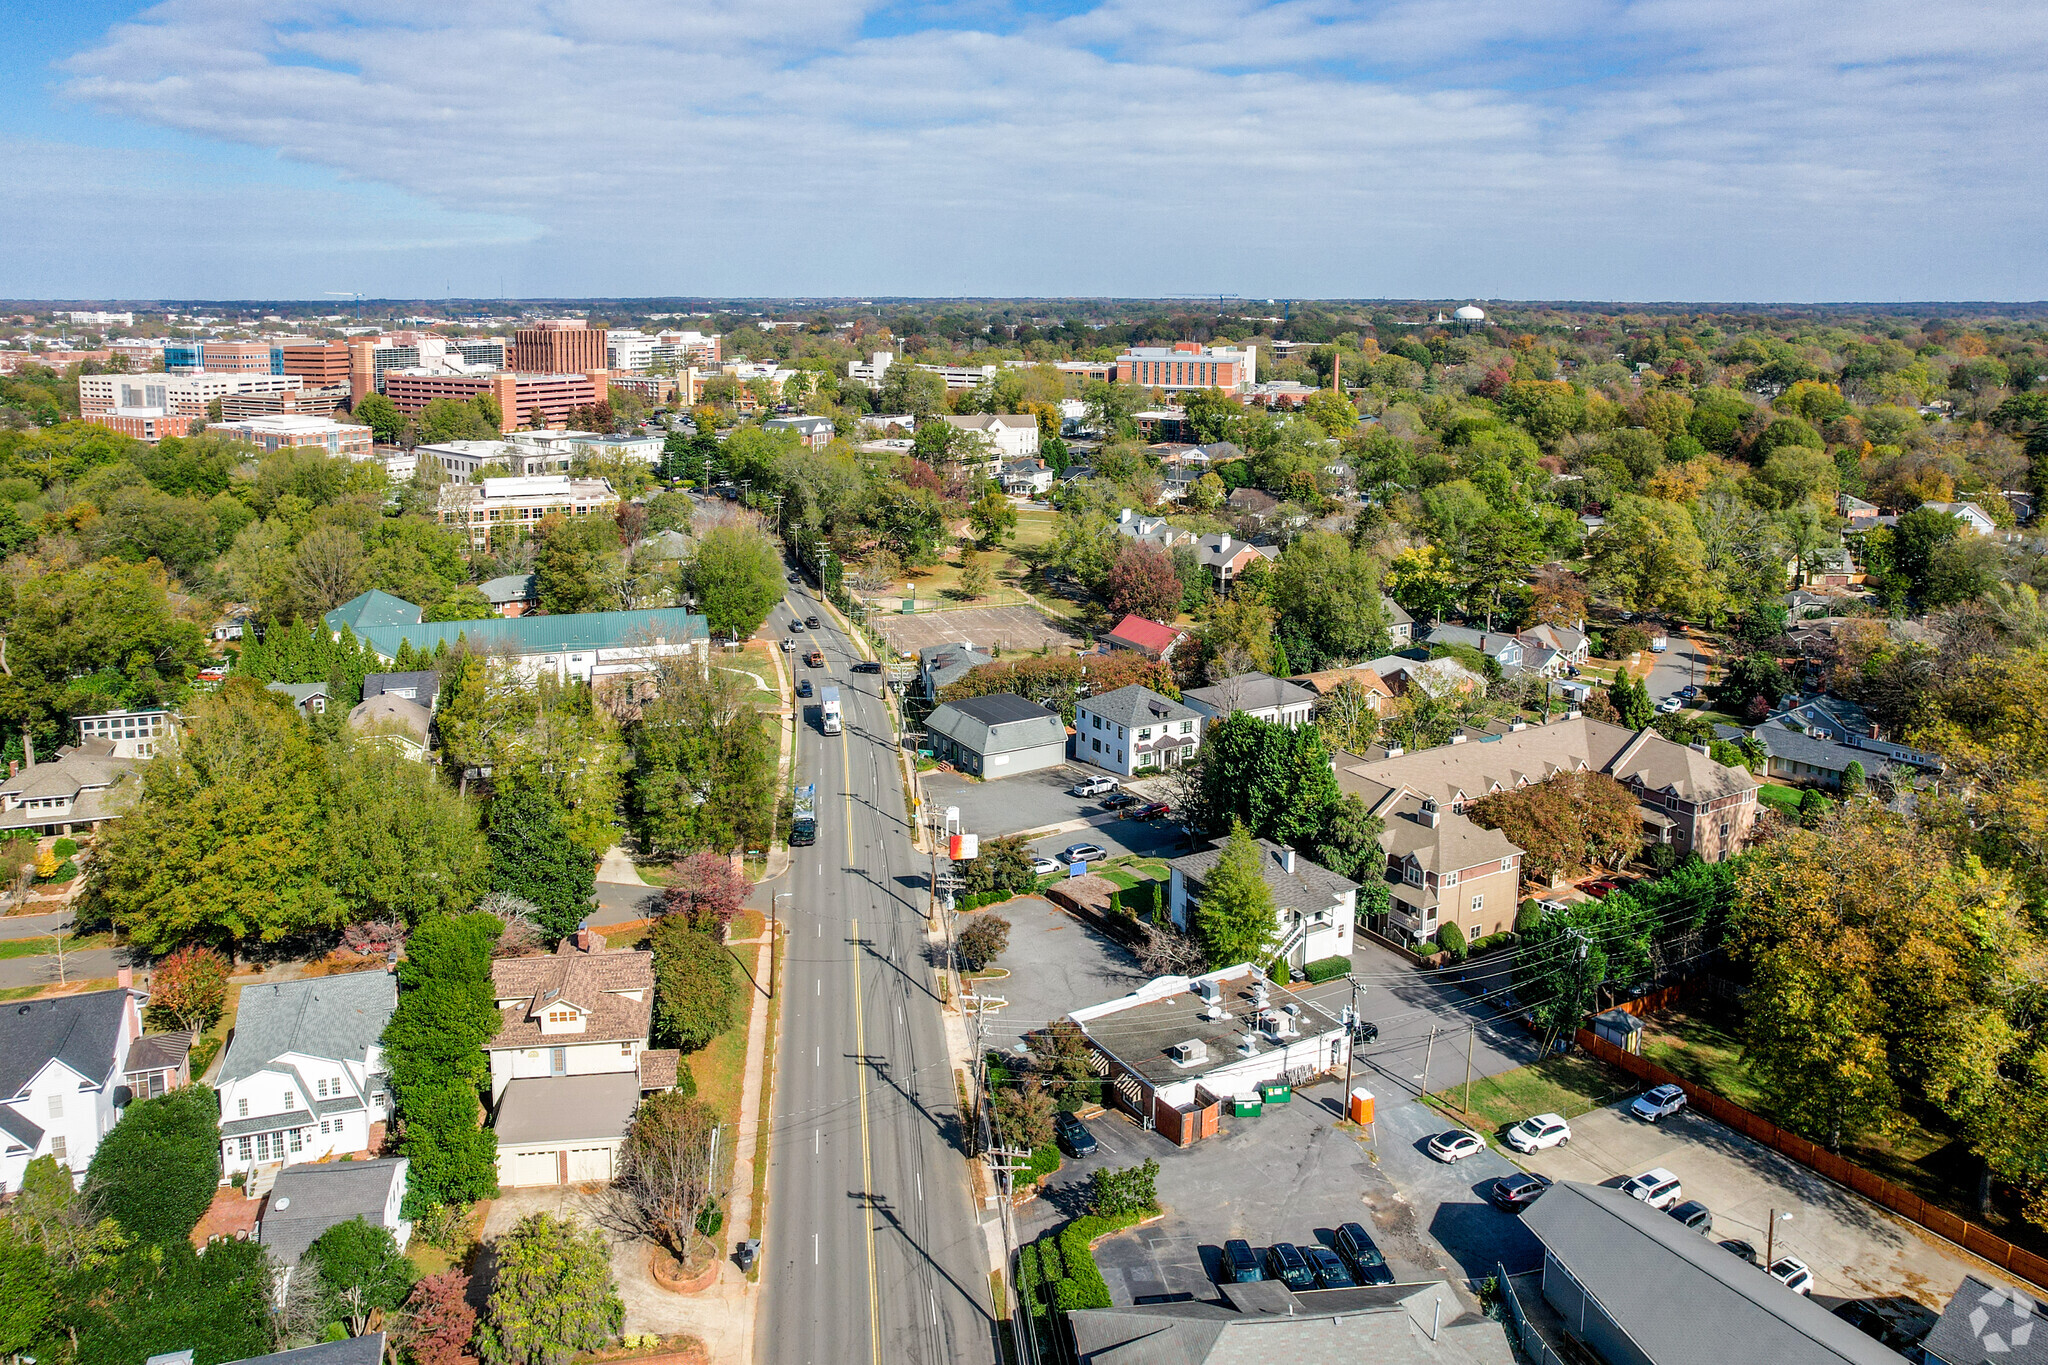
<point x="561" y="1016"/>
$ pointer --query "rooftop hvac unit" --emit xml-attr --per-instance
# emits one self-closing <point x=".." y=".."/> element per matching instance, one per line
<point x="1208" y="990"/>
<point x="1291" y="1008"/>
<point x="1190" y="1052"/>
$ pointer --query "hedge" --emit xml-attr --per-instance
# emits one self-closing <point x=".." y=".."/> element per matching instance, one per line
<point x="1068" y="1267"/>
<point x="981" y="898"/>
<point x="1480" y="945"/>
<point x="1326" y="968"/>
<point x="1044" y="1161"/>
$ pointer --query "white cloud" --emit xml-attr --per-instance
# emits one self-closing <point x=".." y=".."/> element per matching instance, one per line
<point x="1559" y="148"/>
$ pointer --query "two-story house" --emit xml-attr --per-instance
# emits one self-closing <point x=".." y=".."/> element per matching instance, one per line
<point x="61" y="1078"/>
<point x="72" y="795"/>
<point x="1313" y="906"/>
<point x="1256" y="694"/>
<point x="570" y="1060"/>
<point x="304" y="1077"/>
<point x="1135" y="731"/>
<point x="1444" y="869"/>
<point x="1226" y="558"/>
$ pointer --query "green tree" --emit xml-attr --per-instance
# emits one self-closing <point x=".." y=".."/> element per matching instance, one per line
<point x="697" y="993"/>
<point x="992" y="517"/>
<point x="571" y="562"/>
<point x="381" y="416"/>
<point x="553" y="1295"/>
<point x="156" y="1171"/>
<point x="362" y="1270"/>
<point x="405" y="845"/>
<point x="976" y="577"/>
<point x="433" y="1045"/>
<point x="49" y="1214"/>
<point x="157" y="1299"/>
<point x="464" y="603"/>
<point x="1236" y="920"/>
<point x="534" y="857"/>
<point x="704" y="766"/>
<point x="736" y="577"/>
<point x="1630" y="697"/>
<point x="1649" y="555"/>
<point x="27" y="1292"/>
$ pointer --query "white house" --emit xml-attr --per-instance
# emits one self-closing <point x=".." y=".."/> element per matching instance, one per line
<point x="1135" y="730"/>
<point x="570" y="1059"/>
<point x="303" y="1078"/>
<point x="1013" y="435"/>
<point x="1026" y="478"/>
<point x="61" y="1078"/>
<point x="1256" y="694"/>
<point x="1969" y="513"/>
<point x="133" y="734"/>
<point x="309" y="1199"/>
<point x="1313" y="906"/>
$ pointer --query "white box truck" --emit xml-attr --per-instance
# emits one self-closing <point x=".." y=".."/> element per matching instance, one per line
<point x="828" y="711"/>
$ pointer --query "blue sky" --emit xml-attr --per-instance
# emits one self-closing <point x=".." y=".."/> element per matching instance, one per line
<point x="1727" y="150"/>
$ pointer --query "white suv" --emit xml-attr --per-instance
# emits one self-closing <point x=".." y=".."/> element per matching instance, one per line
<point x="1092" y="786"/>
<point x="1658" y="1188"/>
<point x="1534" y="1134"/>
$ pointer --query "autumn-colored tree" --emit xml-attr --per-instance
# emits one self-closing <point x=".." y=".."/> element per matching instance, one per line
<point x="189" y="989"/>
<point x="1565" y="824"/>
<point x="1142" y="582"/>
<point x="976" y="577"/>
<point x="438" y="1321"/>
<point x="1058" y="682"/>
<point x="1560" y="597"/>
<point x="705" y="890"/>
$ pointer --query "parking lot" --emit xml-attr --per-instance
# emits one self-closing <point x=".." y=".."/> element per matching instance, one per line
<point x="1293" y="1174"/>
<point x="1009" y="805"/>
<point x="1008" y="628"/>
<point x="1855" y="1249"/>
<point x="1056" y="963"/>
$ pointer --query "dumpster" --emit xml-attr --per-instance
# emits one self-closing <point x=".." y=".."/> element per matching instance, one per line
<point x="1276" y="1092"/>
<point x="1246" y="1106"/>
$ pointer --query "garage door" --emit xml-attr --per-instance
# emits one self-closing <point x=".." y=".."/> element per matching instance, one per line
<point x="534" y="1168"/>
<point x="590" y="1163"/>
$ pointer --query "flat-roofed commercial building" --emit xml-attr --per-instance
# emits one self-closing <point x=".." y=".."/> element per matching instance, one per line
<point x="1187" y="365"/>
<point x="559" y="345"/>
<point x="320" y="364"/>
<point x="520" y="395"/>
<point x="289" y="430"/>
<point x="223" y="357"/>
<point x="152" y="406"/>
<point x="499" y="508"/>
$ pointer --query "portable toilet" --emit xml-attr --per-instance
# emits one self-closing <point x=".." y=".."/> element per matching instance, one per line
<point x="1361" y="1106"/>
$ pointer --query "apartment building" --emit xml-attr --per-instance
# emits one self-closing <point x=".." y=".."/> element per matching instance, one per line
<point x="152" y="406"/>
<point x="130" y="734"/>
<point x="223" y="357"/>
<point x="285" y="431"/>
<point x="1012" y="435"/>
<point x="1134" y="730"/>
<point x="1186" y="366"/>
<point x="501" y="507"/>
<point x="560" y="346"/>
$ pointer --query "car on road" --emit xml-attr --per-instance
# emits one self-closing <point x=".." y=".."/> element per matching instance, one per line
<point x="1044" y="867"/>
<point x="1735" y="1246"/>
<point x="1082" y="853"/>
<point x="1513" y="1193"/>
<point x="1538" y="1132"/>
<point x="1285" y="1263"/>
<point x="1791" y="1272"/>
<point x="1456" y="1145"/>
<point x="1688" y="692"/>
<point x="1330" y="1272"/>
<point x="867" y="666"/>
<point x="1073" y="1136"/>
<point x="794" y="578"/>
<point x="816" y="658"/>
<point x="1152" y="812"/>
<point x="811" y="621"/>
<point x="1660" y="1103"/>
<point x="1118" y="800"/>
<point x="796" y="625"/>
<point x="1240" y="1264"/>
<point x="1092" y="786"/>
<point x="1362" y="1254"/>
<point x="1656" y="1187"/>
<point x="803" y="687"/>
<point x="1694" y="1215"/>
<point x="788" y="645"/>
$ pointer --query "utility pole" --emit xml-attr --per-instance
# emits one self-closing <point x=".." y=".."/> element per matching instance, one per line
<point x="1427" y="1057"/>
<point x="1469" y="1034"/>
<point x="1351" y="1038"/>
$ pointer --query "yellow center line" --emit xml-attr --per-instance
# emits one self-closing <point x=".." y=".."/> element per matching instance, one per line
<point x="867" y="1181"/>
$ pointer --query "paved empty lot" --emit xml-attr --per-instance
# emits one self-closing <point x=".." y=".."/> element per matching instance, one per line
<point x="1008" y="805"/>
<point x="1056" y="964"/>
<point x="1855" y="1249"/>
<point x="1005" y="628"/>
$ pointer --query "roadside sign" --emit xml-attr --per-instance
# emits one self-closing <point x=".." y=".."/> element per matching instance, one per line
<point x="1077" y="868"/>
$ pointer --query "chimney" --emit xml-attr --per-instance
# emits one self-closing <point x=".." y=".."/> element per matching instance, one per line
<point x="1123" y="518"/>
<point x="1223" y="544"/>
<point x="1287" y="860"/>
<point x="125" y="978"/>
<point x="1431" y="816"/>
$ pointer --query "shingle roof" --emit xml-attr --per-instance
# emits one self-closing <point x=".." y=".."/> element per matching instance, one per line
<point x="1681" y="1298"/>
<point x="420" y="685"/>
<point x="312" y="1197"/>
<point x="67" y="776"/>
<point x="300" y="693"/>
<point x="1311" y="886"/>
<point x="388" y="711"/>
<point x="1137" y="705"/>
<point x="373" y="608"/>
<point x="511" y="587"/>
<point x="1329" y="680"/>
<point x="1454" y="844"/>
<point x="81" y="1031"/>
<point x="1817" y="750"/>
<point x="337" y="1017"/>
<point x="590" y="981"/>
<point x="2016" y="1319"/>
<point x="158" y="1051"/>
<point x="367" y="1349"/>
<point x="567" y="1108"/>
<point x="658" y="1067"/>
<point x="542" y="634"/>
<point x="1251" y="692"/>
<point x="998" y="723"/>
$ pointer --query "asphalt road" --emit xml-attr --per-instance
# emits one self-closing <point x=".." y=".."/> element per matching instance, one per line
<point x="872" y="1251"/>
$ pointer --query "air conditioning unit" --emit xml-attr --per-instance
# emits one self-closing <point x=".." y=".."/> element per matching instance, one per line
<point x="1291" y="1008"/>
<point x="1189" y="1053"/>
<point x="1208" y="990"/>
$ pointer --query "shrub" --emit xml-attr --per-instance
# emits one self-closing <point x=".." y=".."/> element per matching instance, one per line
<point x="1326" y="968"/>
<point x="1529" y="915"/>
<point x="1044" y="1161"/>
<point x="156" y="1172"/>
<point x="64" y="848"/>
<point x="982" y="940"/>
<point x="1131" y="1191"/>
<point x="1084" y="1286"/>
<point x="1426" y="948"/>
<point x="1480" y="945"/>
<point x="1453" y="940"/>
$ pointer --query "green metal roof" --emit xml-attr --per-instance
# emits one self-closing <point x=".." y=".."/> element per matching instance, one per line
<point x="373" y="608"/>
<point x="545" y="634"/>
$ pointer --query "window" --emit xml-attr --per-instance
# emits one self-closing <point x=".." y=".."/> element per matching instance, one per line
<point x="1187" y="751"/>
<point x="59" y="1148"/>
<point x="1412" y="874"/>
<point x="296" y="1140"/>
<point x="242" y="1148"/>
<point x="1187" y="727"/>
<point x="1450" y="879"/>
<point x="323" y="1125"/>
<point x="56" y="1106"/>
<point x="320" y="1087"/>
<point x="241" y="1109"/>
<point x="1478" y="903"/>
<point x="1119" y="732"/>
<point x="291" y="1101"/>
<point x="1146" y="733"/>
<point x="1098" y="745"/>
<point x="1507" y="864"/>
<point x="625" y="1049"/>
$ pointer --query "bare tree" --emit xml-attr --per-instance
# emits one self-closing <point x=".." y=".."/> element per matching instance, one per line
<point x="668" y="1174"/>
<point x="1166" y="951"/>
<point x="521" y="934"/>
<point x="298" y="1307"/>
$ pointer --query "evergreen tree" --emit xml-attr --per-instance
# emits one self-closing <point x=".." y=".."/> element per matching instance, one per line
<point x="1236" y="920"/>
<point x="534" y="858"/>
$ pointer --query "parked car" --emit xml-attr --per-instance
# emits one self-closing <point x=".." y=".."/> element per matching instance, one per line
<point x="1330" y="1272"/>
<point x="1073" y="1136"/>
<point x="1117" y="800"/>
<point x="1669" y="706"/>
<point x="1791" y="1272"/>
<point x="1538" y="1132"/>
<point x="1285" y="1263"/>
<point x="1660" y="1103"/>
<point x="1044" y="867"/>
<point x="811" y="621"/>
<point x="1600" y="890"/>
<point x="1513" y="1193"/>
<point x="867" y="666"/>
<point x="1894" y="1321"/>
<point x="1737" y="1247"/>
<point x="803" y="687"/>
<point x="816" y="658"/>
<point x="1456" y="1145"/>
<point x="1240" y="1264"/>
<point x="1359" y="1251"/>
<point x="1092" y="786"/>
<point x="1365" y="1031"/>
<point x="1694" y="1215"/>
<point x="1152" y="812"/>
<point x="1658" y="1188"/>
<point x="1082" y="853"/>
<point x="1688" y="692"/>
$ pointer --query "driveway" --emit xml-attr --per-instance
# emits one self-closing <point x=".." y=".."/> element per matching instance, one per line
<point x="1293" y="1174"/>
<point x="1855" y="1249"/>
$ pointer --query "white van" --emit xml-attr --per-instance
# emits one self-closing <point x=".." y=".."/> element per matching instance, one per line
<point x="1092" y="786"/>
<point x="1659" y="643"/>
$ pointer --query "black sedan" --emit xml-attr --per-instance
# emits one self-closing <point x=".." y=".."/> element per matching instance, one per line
<point x="1517" y="1192"/>
<point x="1073" y="1136"/>
<point x="1118" y="800"/>
<point x="811" y="621"/>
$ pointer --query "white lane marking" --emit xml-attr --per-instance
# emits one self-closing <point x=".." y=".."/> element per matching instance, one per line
<point x="820" y="984"/>
<point x="934" y="1296"/>
<point x="814" y="1248"/>
<point x="817" y="1056"/>
<point x="899" y="1014"/>
<point x="817" y="1141"/>
<point x="920" y="1184"/>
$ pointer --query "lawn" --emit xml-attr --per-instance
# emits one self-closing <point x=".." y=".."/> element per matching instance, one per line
<point x="1783" y="799"/>
<point x="1699" y="1051"/>
<point x="1570" y="1085"/>
<point x="42" y="945"/>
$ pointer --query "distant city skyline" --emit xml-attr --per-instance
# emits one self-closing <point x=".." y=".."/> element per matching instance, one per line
<point x="1728" y="150"/>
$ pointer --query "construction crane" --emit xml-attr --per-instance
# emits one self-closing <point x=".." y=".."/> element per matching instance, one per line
<point x="349" y="294"/>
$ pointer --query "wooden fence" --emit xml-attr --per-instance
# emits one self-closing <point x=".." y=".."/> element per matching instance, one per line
<point x="1982" y="1242"/>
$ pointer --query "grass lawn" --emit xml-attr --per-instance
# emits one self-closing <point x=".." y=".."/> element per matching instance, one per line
<point x="1570" y="1085"/>
<point x="43" y="944"/>
<point x="1118" y="878"/>
<point x="1778" y="798"/>
<point x="1697" y="1050"/>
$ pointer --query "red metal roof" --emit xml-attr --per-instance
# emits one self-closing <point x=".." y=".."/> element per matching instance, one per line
<point x="1149" y="635"/>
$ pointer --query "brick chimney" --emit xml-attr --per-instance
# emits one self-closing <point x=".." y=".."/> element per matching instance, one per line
<point x="125" y="978"/>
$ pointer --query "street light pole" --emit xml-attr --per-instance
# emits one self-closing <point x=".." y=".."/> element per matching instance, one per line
<point x="1771" y="1236"/>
